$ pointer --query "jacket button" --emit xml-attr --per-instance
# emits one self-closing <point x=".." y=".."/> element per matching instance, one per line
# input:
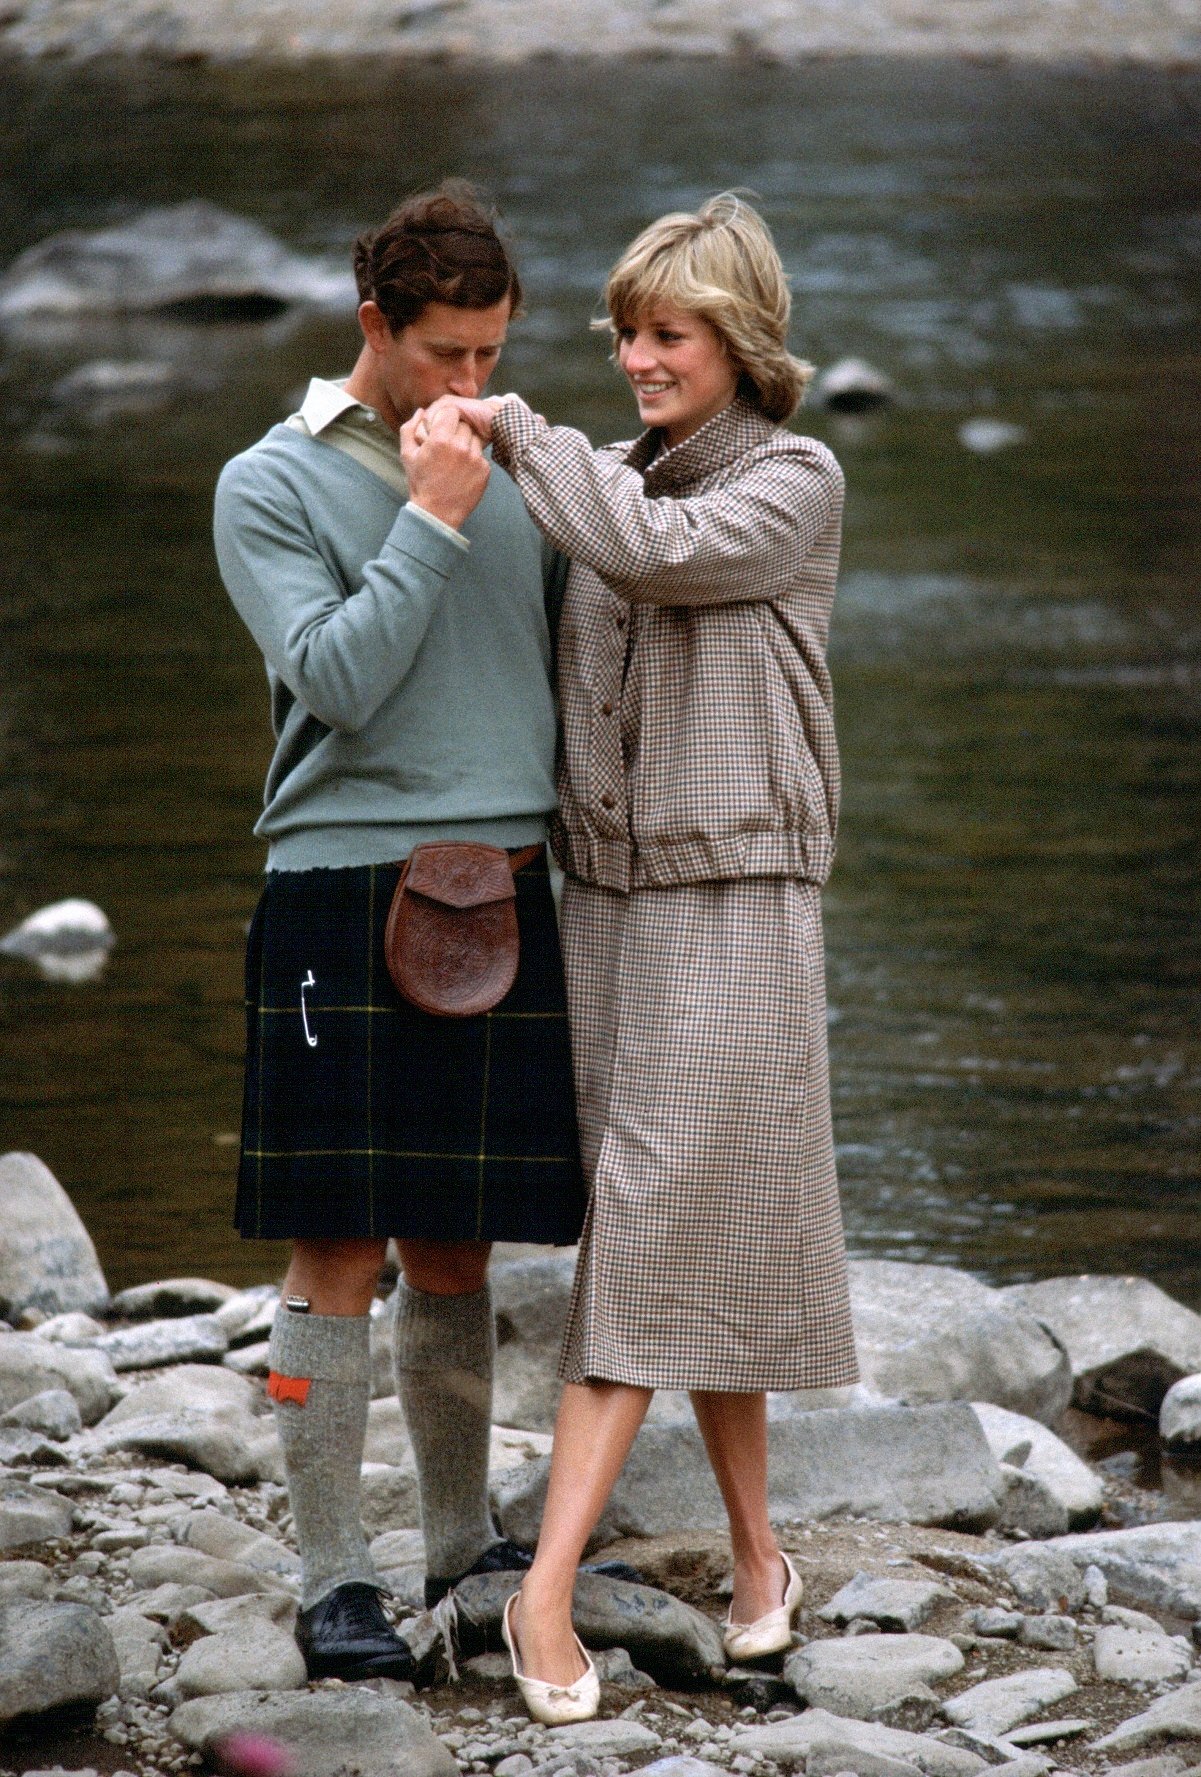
<point x="620" y="620"/>
<point x="606" y="709"/>
<point x="607" y="801"/>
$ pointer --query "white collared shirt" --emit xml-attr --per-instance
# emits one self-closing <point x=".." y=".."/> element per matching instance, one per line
<point x="347" y="423"/>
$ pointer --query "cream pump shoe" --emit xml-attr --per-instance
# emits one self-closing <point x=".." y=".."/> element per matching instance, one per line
<point x="553" y="1704"/>
<point x="769" y="1634"/>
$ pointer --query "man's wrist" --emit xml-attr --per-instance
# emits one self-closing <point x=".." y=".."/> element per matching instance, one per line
<point x="438" y="522"/>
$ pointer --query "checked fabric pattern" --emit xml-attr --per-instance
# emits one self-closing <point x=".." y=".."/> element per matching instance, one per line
<point x="697" y="709"/>
<point x="699" y="801"/>
<point x="712" y="1256"/>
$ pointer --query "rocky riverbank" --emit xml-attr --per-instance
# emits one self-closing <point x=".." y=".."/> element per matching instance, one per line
<point x="977" y="1595"/>
<point x="517" y="30"/>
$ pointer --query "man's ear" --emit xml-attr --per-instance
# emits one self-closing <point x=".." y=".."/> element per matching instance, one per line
<point x="375" y="328"/>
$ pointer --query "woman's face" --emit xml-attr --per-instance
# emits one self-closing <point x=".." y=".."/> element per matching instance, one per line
<point x="678" y="370"/>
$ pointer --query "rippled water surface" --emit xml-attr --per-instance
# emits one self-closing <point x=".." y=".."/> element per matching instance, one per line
<point x="1014" y="944"/>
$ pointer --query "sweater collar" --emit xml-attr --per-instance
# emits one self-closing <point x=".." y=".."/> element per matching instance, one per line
<point x="724" y="438"/>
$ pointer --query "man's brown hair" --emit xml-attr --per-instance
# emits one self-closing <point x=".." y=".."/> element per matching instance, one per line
<point x="438" y="246"/>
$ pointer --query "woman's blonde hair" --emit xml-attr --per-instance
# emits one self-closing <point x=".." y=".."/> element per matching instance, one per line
<point x="721" y="264"/>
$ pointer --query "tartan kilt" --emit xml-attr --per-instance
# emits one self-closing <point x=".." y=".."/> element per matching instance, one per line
<point x="712" y="1256"/>
<point x="365" y="1117"/>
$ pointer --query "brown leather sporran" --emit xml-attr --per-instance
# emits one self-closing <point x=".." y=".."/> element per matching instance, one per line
<point x="451" y="940"/>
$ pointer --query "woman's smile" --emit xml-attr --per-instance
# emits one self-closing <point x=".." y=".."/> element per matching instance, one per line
<point x="678" y="368"/>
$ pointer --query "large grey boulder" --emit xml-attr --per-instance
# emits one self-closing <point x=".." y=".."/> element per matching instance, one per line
<point x="47" y="1260"/>
<point x="189" y="254"/>
<point x="389" y="1497"/>
<point x="530" y="1297"/>
<point x="248" y="1654"/>
<point x="1174" y="1717"/>
<point x="202" y="1415"/>
<point x="29" y="1366"/>
<point x="325" y="1733"/>
<point x="676" y="1644"/>
<point x="51" y="1655"/>
<point x="172" y="1296"/>
<point x="930" y="1333"/>
<point x="792" y="1743"/>
<point x="1046" y="1460"/>
<point x="187" y="1339"/>
<point x="1158" y="1565"/>
<point x="917" y="1465"/>
<point x="1127" y="1340"/>
<point x="30" y="1515"/>
<point x="863" y="1675"/>
<point x="1180" y="1416"/>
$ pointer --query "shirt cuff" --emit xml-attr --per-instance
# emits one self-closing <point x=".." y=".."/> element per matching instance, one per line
<point x="448" y="530"/>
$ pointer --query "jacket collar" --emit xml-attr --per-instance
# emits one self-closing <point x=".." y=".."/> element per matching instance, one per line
<point x="723" y="439"/>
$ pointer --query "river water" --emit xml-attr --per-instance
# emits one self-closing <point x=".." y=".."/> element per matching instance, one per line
<point x="1014" y="944"/>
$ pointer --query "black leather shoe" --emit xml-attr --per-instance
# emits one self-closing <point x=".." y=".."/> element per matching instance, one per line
<point x="498" y="1557"/>
<point x="507" y="1557"/>
<point x="346" y="1635"/>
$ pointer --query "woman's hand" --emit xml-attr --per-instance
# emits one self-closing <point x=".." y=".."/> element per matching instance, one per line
<point x="445" y="463"/>
<point x="476" y="414"/>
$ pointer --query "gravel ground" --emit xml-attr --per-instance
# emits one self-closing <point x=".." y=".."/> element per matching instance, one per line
<point x="1167" y="31"/>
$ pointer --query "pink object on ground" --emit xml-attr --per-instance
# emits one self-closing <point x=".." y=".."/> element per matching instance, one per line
<point x="252" y="1755"/>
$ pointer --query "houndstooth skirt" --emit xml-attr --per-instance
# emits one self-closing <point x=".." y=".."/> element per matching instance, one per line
<point x="712" y="1255"/>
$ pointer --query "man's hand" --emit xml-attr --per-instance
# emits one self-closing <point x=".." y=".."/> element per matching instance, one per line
<point x="476" y="414"/>
<point x="445" y="463"/>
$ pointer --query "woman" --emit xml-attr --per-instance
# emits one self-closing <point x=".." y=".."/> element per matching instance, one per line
<point x="699" y="794"/>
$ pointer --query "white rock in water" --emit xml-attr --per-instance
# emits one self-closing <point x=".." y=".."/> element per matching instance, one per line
<point x="47" y="1260"/>
<point x="1127" y="1341"/>
<point x="68" y="941"/>
<point x="1180" y="1415"/>
<point x="852" y="385"/>
<point x="984" y="435"/>
<point x="174" y="256"/>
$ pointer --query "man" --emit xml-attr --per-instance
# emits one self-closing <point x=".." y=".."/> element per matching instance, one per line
<point x="395" y="587"/>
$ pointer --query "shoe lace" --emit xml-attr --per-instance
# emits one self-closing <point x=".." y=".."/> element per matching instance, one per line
<point x="361" y="1613"/>
<point x="445" y="1616"/>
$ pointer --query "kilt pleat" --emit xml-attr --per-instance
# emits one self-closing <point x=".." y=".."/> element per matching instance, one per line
<point x="713" y="1254"/>
<point x="364" y="1117"/>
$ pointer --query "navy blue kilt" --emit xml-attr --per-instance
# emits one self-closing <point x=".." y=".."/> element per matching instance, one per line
<point x="364" y="1117"/>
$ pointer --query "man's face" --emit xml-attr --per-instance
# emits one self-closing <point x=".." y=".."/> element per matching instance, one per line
<point x="445" y="351"/>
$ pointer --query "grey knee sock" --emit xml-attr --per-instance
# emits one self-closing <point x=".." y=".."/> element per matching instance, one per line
<point x="444" y="1347"/>
<point x="322" y="1427"/>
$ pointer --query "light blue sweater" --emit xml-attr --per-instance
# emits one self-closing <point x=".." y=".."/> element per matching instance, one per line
<point x="410" y="677"/>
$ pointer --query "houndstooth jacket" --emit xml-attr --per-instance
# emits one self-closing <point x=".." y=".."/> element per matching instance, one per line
<point x="697" y="711"/>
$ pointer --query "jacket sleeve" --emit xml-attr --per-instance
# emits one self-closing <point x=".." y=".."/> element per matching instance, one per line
<point x="746" y="540"/>
<point x="339" y="655"/>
